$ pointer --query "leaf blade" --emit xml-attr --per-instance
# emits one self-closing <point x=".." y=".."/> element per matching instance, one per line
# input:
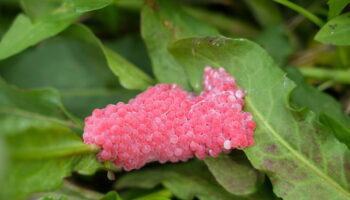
<point x="285" y="157"/>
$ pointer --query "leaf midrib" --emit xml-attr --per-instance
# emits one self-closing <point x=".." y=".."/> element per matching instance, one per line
<point x="294" y="152"/>
<point x="284" y="143"/>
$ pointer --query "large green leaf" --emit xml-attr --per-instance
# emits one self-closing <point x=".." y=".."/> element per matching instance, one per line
<point x="40" y="148"/>
<point x="336" y="6"/>
<point x="326" y="107"/>
<point x="162" y="22"/>
<point x="336" y="31"/>
<point x="185" y="180"/>
<point x="79" y="71"/>
<point x="61" y="8"/>
<point x="302" y="159"/>
<point x="235" y="173"/>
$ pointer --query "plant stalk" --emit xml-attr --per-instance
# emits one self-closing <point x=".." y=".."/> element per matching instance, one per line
<point x="338" y="76"/>
<point x="316" y="20"/>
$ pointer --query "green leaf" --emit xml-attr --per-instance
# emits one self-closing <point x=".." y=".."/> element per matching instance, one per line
<point x="87" y="83"/>
<point x="335" y="7"/>
<point x="162" y="22"/>
<point x="24" y="33"/>
<point x="41" y="150"/>
<point x="326" y="107"/>
<point x="235" y="173"/>
<point x="336" y="31"/>
<point x="302" y="159"/>
<point x="62" y="8"/>
<point x="130" y="76"/>
<point x="184" y="180"/>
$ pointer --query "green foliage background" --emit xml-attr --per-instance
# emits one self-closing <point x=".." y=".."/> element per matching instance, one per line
<point x="60" y="59"/>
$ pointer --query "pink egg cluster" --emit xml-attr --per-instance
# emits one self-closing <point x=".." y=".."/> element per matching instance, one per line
<point x="166" y="123"/>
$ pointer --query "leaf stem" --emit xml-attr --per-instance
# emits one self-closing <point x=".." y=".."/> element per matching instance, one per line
<point x="339" y="76"/>
<point x="82" y="191"/>
<point x="316" y="20"/>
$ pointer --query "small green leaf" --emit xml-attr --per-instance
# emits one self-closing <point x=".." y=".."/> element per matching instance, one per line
<point x="162" y="22"/>
<point x="40" y="149"/>
<point x="129" y="75"/>
<point x="336" y="31"/>
<point x="235" y="173"/>
<point x="303" y="160"/>
<point x="82" y="6"/>
<point x="111" y="196"/>
<point x="335" y="7"/>
<point x="24" y="33"/>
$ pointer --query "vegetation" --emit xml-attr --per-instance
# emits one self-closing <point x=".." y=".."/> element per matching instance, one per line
<point x="60" y="59"/>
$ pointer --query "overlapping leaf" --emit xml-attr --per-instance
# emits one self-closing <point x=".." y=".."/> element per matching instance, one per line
<point x="235" y="173"/>
<point x="162" y="22"/>
<point x="302" y="159"/>
<point x="78" y="68"/>
<point x="336" y="6"/>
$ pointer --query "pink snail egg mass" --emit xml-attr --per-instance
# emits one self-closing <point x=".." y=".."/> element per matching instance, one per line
<point x="166" y="123"/>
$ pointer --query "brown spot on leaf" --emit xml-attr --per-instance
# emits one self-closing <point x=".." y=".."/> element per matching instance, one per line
<point x="152" y="4"/>
<point x="271" y="148"/>
<point x="166" y="23"/>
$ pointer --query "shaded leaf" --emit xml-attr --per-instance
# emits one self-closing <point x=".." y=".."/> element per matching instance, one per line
<point x="41" y="150"/>
<point x="336" y="31"/>
<point x="235" y="173"/>
<point x="184" y="180"/>
<point x="276" y="43"/>
<point x="265" y="12"/>
<point x="162" y="22"/>
<point x="76" y="67"/>
<point x="336" y="6"/>
<point x="326" y="107"/>
<point x="301" y="158"/>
